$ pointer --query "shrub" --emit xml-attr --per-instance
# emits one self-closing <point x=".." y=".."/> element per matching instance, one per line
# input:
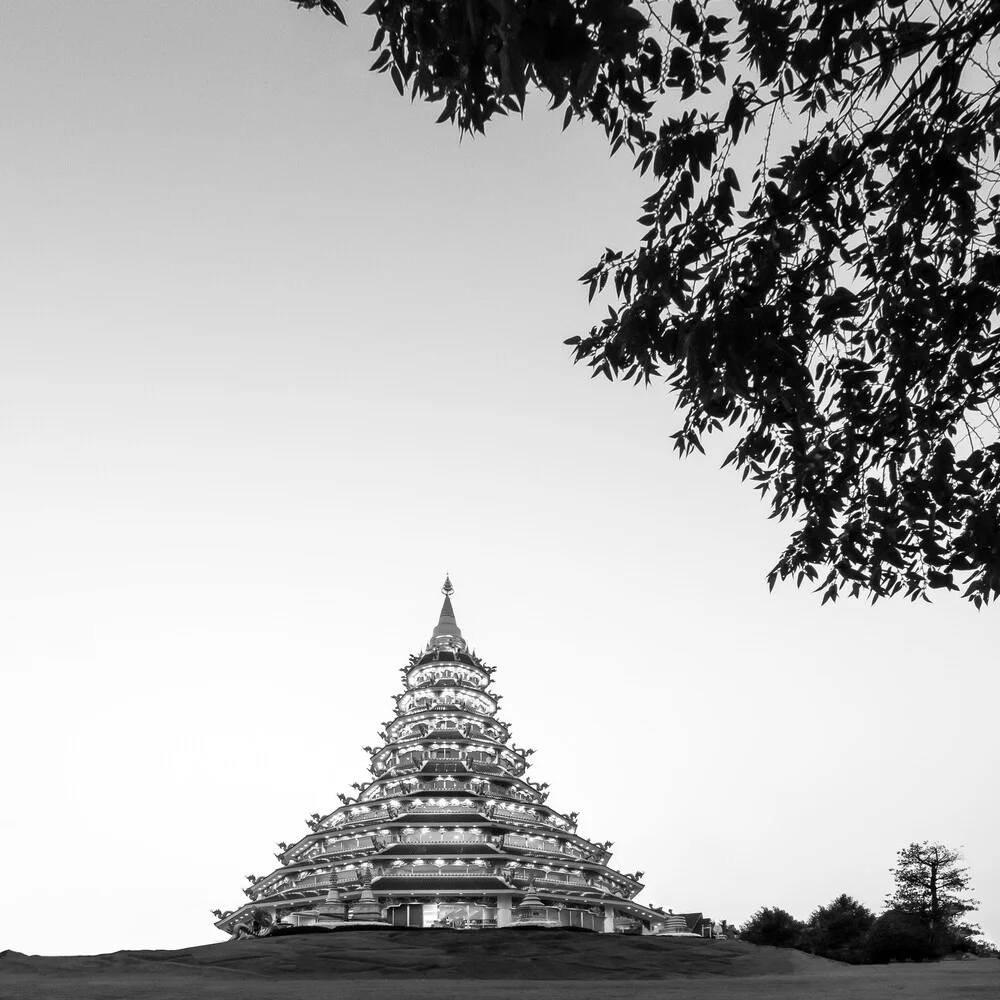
<point x="897" y="936"/>
<point x="773" y="926"/>
<point x="839" y="930"/>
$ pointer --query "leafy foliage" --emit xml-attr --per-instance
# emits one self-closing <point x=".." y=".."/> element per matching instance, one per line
<point x="479" y="57"/>
<point x="897" y="936"/>
<point x="772" y="926"/>
<point x="838" y="930"/>
<point x="981" y="948"/>
<point x="832" y="297"/>
<point x="931" y="886"/>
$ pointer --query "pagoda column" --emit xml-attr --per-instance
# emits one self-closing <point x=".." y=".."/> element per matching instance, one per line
<point x="504" y="909"/>
<point x="609" y="919"/>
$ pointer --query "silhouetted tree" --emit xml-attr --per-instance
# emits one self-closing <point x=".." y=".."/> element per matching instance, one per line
<point x="839" y="930"/>
<point x="820" y="267"/>
<point x="773" y="926"/>
<point x="931" y="886"/>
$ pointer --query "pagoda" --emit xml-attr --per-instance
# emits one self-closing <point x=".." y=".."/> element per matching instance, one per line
<point x="448" y="830"/>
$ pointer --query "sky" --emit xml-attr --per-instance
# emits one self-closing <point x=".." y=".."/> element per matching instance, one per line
<point x="278" y="352"/>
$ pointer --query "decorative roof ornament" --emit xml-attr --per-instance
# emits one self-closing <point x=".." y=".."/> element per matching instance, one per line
<point x="447" y="628"/>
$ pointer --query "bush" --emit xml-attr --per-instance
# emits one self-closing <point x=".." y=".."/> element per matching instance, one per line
<point x="839" y="930"/>
<point x="773" y="926"/>
<point x="897" y="936"/>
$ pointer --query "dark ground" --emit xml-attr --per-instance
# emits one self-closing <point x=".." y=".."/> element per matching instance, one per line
<point x="506" y="965"/>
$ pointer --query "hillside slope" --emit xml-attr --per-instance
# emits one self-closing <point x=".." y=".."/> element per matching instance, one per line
<point x="436" y="954"/>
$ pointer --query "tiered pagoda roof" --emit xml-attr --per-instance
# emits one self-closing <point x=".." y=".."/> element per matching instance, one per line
<point x="448" y="829"/>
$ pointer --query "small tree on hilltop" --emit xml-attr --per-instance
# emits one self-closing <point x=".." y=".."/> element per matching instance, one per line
<point x="773" y="926"/>
<point x="839" y="930"/>
<point x="931" y="886"/>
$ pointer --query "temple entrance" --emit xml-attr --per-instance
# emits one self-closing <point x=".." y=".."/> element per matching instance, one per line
<point x="581" y="918"/>
<point x="407" y="915"/>
<point x="466" y="916"/>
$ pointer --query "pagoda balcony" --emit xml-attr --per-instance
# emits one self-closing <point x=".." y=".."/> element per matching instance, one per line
<point x="517" y="815"/>
<point x="431" y="808"/>
<point x="433" y="871"/>
<point x="440" y="838"/>
<point x="478" y="786"/>
<point x="313" y="882"/>
<point x="525" y="875"/>
<point x="541" y="846"/>
<point x="430" y="674"/>
<point x="532" y="818"/>
<point x="413" y="760"/>
<point x="348" y="846"/>
<point x="470" y="723"/>
<point x="364" y="815"/>
<point x="441" y="699"/>
<point x="309" y="883"/>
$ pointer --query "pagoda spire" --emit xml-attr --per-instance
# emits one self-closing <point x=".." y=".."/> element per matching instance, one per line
<point x="447" y="625"/>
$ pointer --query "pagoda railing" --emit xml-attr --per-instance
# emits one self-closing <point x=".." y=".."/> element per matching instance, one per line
<point x="440" y="839"/>
<point x="550" y="878"/>
<point x="284" y="887"/>
<point x="415" y="724"/>
<point x="521" y="817"/>
<point x="532" y="844"/>
<point x="365" y="816"/>
<point x="407" y="767"/>
<point x="539" y="844"/>
<point x="418" y="757"/>
<point x="418" y="701"/>
<point x="479" y="786"/>
<point x="311" y="882"/>
<point x="433" y="808"/>
<point x="442" y="872"/>
<point x="348" y="846"/>
<point x="431" y="674"/>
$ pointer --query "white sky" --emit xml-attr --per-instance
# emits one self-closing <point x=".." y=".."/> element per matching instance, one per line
<point x="278" y="352"/>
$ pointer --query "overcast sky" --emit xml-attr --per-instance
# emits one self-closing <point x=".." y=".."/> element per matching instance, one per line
<point x="277" y="353"/>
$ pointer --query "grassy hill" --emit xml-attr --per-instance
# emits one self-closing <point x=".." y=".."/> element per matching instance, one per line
<point x="379" y="954"/>
<point x="389" y="964"/>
